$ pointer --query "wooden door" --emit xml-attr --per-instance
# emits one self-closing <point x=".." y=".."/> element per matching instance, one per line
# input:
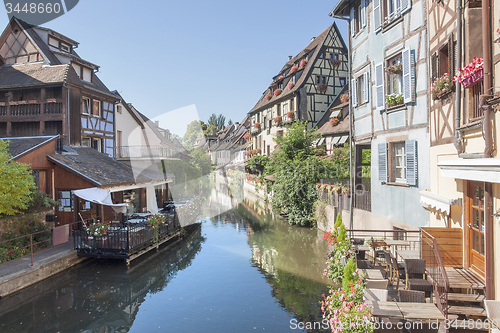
<point x="476" y="227"/>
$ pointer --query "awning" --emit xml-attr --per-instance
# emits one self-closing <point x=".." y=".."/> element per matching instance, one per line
<point x="440" y="203"/>
<point x="101" y="197"/>
<point x="478" y="169"/>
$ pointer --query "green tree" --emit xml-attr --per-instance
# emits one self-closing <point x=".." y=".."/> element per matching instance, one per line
<point x="208" y="130"/>
<point x="258" y="163"/>
<point x="218" y="121"/>
<point x="194" y="132"/>
<point x="201" y="161"/>
<point x="16" y="183"/>
<point x="230" y="122"/>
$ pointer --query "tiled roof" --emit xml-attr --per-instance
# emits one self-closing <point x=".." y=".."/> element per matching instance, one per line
<point x="318" y="41"/>
<point x="341" y="127"/>
<point x="19" y="146"/>
<point x="32" y="74"/>
<point x="96" y="167"/>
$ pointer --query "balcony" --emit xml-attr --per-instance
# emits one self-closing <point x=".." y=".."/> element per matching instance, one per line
<point x="138" y="152"/>
<point x="31" y="108"/>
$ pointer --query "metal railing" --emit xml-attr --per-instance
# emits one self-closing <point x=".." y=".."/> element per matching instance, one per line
<point x="363" y="200"/>
<point x="146" y="151"/>
<point x="36" y="242"/>
<point x="411" y="236"/>
<point x="436" y="271"/>
<point x="120" y="241"/>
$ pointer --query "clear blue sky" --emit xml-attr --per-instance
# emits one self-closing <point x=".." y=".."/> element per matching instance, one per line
<point x="219" y="55"/>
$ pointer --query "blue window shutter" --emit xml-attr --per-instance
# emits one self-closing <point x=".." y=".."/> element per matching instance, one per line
<point x="379" y="86"/>
<point x="377" y="15"/>
<point x="405" y="6"/>
<point x="411" y="162"/>
<point x="382" y="162"/>
<point x="363" y="13"/>
<point x="408" y="78"/>
<point x="354" y="92"/>
<point x="353" y="30"/>
<point x="366" y="87"/>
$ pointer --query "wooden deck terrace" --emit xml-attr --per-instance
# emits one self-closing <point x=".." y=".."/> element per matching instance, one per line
<point x="464" y="279"/>
<point x="126" y="240"/>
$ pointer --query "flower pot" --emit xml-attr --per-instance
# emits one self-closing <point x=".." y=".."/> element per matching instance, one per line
<point x="473" y="79"/>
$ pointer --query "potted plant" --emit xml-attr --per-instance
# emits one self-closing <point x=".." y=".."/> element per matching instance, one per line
<point x="394" y="69"/>
<point x="322" y="88"/>
<point x="394" y="99"/>
<point x="247" y="136"/>
<point x="277" y="119"/>
<point x="334" y="121"/>
<point x="97" y="229"/>
<point x="281" y="77"/>
<point x="470" y="74"/>
<point x="154" y="222"/>
<point x="303" y="63"/>
<point x="344" y="98"/>
<point x="294" y="69"/>
<point x="290" y="114"/>
<point x="441" y="86"/>
<point x="268" y="97"/>
<point x="290" y="85"/>
<point x="277" y="92"/>
<point x="256" y="125"/>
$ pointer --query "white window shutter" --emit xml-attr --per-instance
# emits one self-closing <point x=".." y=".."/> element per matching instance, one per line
<point x="363" y="13"/>
<point x="353" y="23"/>
<point x="382" y="162"/>
<point x="405" y="6"/>
<point x="408" y="79"/>
<point x="367" y="87"/>
<point x="377" y="15"/>
<point x="379" y="86"/>
<point x="354" y="92"/>
<point x="411" y="162"/>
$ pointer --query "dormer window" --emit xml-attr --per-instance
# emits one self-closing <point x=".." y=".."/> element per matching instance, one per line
<point x="56" y="43"/>
<point x="64" y="47"/>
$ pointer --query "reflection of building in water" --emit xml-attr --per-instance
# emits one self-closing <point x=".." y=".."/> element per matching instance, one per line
<point x="265" y="259"/>
<point x="100" y="297"/>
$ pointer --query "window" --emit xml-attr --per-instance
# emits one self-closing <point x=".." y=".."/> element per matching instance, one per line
<point x="360" y="89"/>
<point x="400" y="162"/>
<point x="292" y="105"/>
<point x="397" y="162"/>
<point x="86" y="105"/>
<point x="64" y="47"/>
<point x="358" y="17"/>
<point x="391" y="10"/>
<point x="342" y="81"/>
<point x="443" y="60"/>
<point x="394" y="78"/>
<point x="96" y="108"/>
<point x="65" y="201"/>
<point x="323" y="80"/>
<point x="386" y="11"/>
<point x="334" y="56"/>
<point x="119" y="108"/>
<point x="278" y="109"/>
<point x="40" y="177"/>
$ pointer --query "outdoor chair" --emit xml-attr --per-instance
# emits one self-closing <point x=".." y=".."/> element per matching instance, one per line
<point x="364" y="264"/>
<point x="388" y="265"/>
<point x="371" y="294"/>
<point x="411" y="296"/>
<point x="415" y="276"/>
<point x="378" y="253"/>
<point x="397" y="270"/>
<point x="358" y="241"/>
<point x="376" y="284"/>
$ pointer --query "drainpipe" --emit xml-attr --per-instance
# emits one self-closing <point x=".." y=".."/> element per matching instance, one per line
<point x="351" y="122"/>
<point x="458" y="92"/>
<point x="488" y="187"/>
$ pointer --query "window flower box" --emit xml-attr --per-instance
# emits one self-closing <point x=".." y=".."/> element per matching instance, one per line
<point x="322" y="88"/>
<point x="344" y="98"/>
<point x="268" y="97"/>
<point x="247" y="136"/>
<point x="294" y="69"/>
<point x="470" y="74"/>
<point x="441" y="87"/>
<point x="2" y="103"/>
<point x="290" y="85"/>
<point x="281" y="77"/>
<point x="277" y="119"/>
<point x="51" y="100"/>
<point x="33" y="101"/>
<point x="256" y="125"/>
<point x="303" y="63"/>
<point x="394" y="99"/>
<point x="290" y="114"/>
<point x="336" y="63"/>
<point x="277" y="92"/>
<point x="22" y="102"/>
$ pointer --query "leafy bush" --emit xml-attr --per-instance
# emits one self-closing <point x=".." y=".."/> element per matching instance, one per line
<point x="394" y="99"/>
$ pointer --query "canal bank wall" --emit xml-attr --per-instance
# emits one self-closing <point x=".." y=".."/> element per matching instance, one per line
<point x="18" y="274"/>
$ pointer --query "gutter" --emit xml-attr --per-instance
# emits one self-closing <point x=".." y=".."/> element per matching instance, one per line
<point x="458" y="92"/>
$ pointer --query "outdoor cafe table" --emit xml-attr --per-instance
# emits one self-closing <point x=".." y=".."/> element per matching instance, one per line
<point x="385" y="309"/>
<point x="373" y="274"/>
<point x="409" y="254"/>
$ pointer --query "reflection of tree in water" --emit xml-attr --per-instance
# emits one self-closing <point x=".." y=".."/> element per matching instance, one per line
<point x="99" y="296"/>
<point x="292" y="260"/>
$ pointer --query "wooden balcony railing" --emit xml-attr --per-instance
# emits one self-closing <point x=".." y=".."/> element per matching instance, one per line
<point x="53" y="108"/>
<point x="31" y="109"/>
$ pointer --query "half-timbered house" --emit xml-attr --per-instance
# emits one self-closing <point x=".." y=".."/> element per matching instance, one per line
<point x="302" y="90"/>
<point x="46" y="88"/>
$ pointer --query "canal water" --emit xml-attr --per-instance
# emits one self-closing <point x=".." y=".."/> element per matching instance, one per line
<point x="243" y="271"/>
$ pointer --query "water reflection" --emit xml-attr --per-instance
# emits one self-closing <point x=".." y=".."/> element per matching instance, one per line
<point x="97" y="296"/>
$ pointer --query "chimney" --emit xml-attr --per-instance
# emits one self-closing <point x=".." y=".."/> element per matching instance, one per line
<point x="312" y="39"/>
<point x="59" y="146"/>
<point x="157" y="123"/>
<point x="213" y="131"/>
<point x="236" y="124"/>
<point x="290" y="58"/>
